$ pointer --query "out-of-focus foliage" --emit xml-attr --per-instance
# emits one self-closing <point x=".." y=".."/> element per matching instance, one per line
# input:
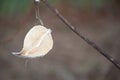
<point x="97" y="4"/>
<point x="81" y="3"/>
<point x="11" y="7"/>
<point x="53" y="1"/>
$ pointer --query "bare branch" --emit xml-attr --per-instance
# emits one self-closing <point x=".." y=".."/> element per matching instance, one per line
<point x="91" y="43"/>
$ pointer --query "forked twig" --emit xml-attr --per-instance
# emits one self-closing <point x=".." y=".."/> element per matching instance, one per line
<point x="91" y="43"/>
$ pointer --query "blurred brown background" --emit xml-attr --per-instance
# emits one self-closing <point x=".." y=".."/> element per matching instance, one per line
<point x="71" y="58"/>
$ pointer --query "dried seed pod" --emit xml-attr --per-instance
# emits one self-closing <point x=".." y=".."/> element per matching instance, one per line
<point x="38" y="42"/>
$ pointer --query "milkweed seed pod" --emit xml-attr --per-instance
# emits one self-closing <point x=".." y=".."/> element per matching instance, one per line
<point x="38" y="42"/>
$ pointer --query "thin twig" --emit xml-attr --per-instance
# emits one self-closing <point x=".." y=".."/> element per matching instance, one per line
<point x="91" y="43"/>
<point x="37" y="2"/>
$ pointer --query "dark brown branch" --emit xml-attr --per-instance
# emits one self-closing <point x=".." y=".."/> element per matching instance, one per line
<point x="91" y="43"/>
